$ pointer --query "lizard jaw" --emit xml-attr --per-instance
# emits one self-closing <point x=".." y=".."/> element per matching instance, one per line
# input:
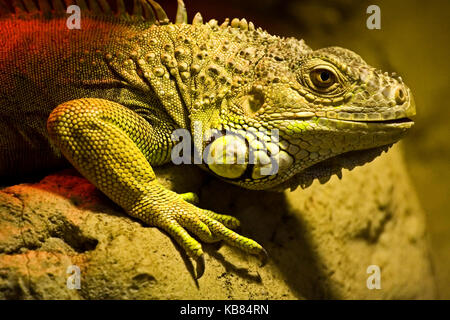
<point x="325" y="169"/>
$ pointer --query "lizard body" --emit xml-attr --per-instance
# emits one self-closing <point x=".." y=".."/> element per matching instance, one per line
<point x="109" y="96"/>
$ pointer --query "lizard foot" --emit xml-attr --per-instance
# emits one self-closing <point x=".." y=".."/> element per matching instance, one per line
<point x="181" y="218"/>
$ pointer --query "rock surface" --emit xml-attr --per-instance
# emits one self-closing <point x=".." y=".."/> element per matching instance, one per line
<point x="321" y="240"/>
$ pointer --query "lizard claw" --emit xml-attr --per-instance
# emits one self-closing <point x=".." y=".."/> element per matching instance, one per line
<point x="263" y="257"/>
<point x="200" y="267"/>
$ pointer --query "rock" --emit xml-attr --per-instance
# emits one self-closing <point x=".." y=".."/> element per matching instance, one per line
<point x="320" y="240"/>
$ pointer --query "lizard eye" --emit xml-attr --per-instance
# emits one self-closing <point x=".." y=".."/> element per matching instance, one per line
<point x="322" y="78"/>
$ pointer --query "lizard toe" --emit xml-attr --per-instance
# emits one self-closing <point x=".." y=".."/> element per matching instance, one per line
<point x="228" y="221"/>
<point x="192" y="247"/>
<point x="234" y="239"/>
<point x="193" y="224"/>
<point x="190" y="197"/>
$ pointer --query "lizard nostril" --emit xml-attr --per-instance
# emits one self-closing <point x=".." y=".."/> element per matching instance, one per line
<point x="400" y="96"/>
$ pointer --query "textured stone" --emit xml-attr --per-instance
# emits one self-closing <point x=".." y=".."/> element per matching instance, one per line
<point x="320" y="240"/>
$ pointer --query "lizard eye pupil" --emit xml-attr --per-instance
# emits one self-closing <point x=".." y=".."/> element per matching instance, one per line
<point x="324" y="75"/>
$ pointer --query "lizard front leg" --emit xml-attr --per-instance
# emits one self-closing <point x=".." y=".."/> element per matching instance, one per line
<point x="113" y="147"/>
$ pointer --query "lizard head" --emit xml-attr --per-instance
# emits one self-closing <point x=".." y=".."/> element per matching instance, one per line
<point x="308" y="114"/>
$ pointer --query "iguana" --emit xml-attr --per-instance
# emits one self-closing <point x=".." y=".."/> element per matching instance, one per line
<point x="108" y="96"/>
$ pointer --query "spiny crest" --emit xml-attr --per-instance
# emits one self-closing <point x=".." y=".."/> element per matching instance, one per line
<point x="140" y="10"/>
<point x="213" y="23"/>
<point x="148" y="11"/>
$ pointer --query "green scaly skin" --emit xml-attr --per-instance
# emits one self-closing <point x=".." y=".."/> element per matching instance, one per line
<point x="108" y="97"/>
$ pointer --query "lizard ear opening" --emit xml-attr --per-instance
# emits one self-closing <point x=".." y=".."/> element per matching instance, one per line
<point x="253" y="101"/>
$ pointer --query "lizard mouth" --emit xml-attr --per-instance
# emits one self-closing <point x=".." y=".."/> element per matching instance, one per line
<point x="325" y="169"/>
<point x="400" y="123"/>
<point x="401" y="120"/>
